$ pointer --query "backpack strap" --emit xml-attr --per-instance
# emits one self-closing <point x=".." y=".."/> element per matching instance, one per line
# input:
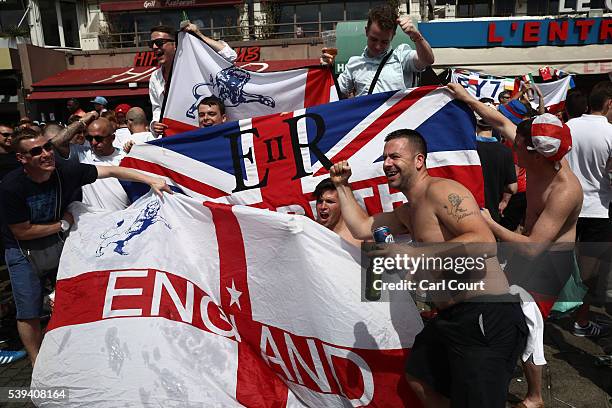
<point x="378" y="71"/>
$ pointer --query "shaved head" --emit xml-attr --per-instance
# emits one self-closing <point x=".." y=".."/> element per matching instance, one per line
<point x="52" y="130"/>
<point x="137" y="115"/>
<point x="136" y="120"/>
<point x="102" y="125"/>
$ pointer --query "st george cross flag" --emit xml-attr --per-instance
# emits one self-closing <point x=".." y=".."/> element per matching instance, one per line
<point x="198" y="71"/>
<point x="555" y="93"/>
<point x="173" y="303"/>
<point x="276" y="161"/>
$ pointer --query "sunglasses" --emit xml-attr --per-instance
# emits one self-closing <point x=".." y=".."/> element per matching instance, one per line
<point x="6" y="134"/>
<point x="37" y="151"/>
<point x="159" y="42"/>
<point x="99" y="139"/>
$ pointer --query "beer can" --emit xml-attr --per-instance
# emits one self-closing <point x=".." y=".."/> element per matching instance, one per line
<point x="382" y="235"/>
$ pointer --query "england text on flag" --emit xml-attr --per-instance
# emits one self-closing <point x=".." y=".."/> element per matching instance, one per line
<point x="172" y="303"/>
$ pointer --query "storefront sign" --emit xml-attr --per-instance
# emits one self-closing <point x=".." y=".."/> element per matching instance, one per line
<point x="518" y="33"/>
<point x="248" y="54"/>
<point x="581" y="6"/>
<point x="145" y="59"/>
<point x="245" y="54"/>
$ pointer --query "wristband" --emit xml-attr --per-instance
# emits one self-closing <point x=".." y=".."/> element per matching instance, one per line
<point x="418" y="37"/>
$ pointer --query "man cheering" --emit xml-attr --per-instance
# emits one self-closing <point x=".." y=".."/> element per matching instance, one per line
<point x="467" y="353"/>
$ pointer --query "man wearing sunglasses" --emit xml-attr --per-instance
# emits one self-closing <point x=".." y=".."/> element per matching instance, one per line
<point x="108" y="193"/>
<point x="163" y="44"/>
<point x="33" y="203"/>
<point x="8" y="161"/>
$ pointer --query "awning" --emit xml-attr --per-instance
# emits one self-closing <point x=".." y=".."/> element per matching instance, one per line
<point x="585" y="59"/>
<point x="40" y="95"/>
<point x="86" y="83"/>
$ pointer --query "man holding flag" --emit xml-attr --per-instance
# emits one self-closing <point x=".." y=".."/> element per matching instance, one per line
<point x="163" y="44"/>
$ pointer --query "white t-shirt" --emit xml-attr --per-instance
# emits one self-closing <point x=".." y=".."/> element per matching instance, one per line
<point x="122" y="135"/>
<point x="142" y="137"/>
<point x="591" y="150"/>
<point x="104" y="193"/>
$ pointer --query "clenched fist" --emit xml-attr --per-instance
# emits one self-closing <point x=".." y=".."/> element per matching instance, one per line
<point x="340" y="173"/>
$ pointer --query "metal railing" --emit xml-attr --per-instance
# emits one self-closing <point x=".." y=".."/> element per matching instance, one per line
<point x="229" y="33"/>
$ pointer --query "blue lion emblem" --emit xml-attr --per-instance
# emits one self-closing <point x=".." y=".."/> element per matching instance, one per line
<point x="120" y="236"/>
<point x="228" y="85"/>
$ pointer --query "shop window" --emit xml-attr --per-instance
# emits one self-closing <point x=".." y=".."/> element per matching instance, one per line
<point x="11" y="12"/>
<point x="70" y="25"/>
<point x="547" y="7"/>
<point x="48" y="17"/>
<point x="474" y="8"/>
<point x="357" y="10"/>
<point x="330" y="13"/>
<point x="307" y="18"/>
<point x="504" y="8"/>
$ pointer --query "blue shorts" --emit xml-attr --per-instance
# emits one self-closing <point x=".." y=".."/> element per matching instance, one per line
<point x="27" y="286"/>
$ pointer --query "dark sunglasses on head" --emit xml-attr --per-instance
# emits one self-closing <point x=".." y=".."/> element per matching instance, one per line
<point x="99" y="139"/>
<point x="159" y="42"/>
<point x="37" y="151"/>
<point x="6" y="134"/>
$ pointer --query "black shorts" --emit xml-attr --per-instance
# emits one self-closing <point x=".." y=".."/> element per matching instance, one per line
<point x="469" y="351"/>
<point x="594" y="230"/>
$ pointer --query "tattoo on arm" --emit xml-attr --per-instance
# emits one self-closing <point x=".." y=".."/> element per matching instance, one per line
<point x="455" y="209"/>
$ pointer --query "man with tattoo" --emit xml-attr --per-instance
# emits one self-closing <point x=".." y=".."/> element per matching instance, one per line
<point x="545" y="257"/>
<point x="467" y="353"/>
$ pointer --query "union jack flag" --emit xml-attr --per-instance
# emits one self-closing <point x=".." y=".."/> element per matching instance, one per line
<point x="276" y="161"/>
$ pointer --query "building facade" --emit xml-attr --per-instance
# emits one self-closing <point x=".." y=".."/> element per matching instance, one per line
<point x="500" y="37"/>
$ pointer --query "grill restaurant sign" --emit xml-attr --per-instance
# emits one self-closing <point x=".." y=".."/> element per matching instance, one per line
<point x="518" y="33"/>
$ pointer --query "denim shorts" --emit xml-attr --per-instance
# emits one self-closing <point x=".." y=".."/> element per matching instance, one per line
<point x="27" y="286"/>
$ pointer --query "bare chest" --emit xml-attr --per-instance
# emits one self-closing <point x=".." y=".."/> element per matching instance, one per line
<point x="424" y="225"/>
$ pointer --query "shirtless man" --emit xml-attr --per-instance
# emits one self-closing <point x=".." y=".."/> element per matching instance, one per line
<point x="328" y="211"/>
<point x="554" y="200"/>
<point x="467" y="353"/>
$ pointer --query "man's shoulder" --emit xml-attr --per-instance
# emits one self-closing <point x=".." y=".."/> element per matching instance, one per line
<point x="567" y="188"/>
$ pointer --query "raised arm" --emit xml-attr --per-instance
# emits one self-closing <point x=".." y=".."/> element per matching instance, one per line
<point x="541" y="104"/>
<point x="357" y="220"/>
<point x="492" y="116"/>
<point x="62" y="140"/>
<point x="425" y="55"/>
<point x="157" y="184"/>
<point x="220" y="47"/>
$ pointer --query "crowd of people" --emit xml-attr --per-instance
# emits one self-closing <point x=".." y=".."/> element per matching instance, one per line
<point x="546" y="178"/>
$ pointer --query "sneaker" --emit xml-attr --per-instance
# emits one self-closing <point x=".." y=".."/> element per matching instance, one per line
<point x="7" y="357"/>
<point x="590" y="330"/>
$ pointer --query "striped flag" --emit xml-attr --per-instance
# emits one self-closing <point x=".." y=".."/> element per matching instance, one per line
<point x="473" y="78"/>
<point x="276" y="161"/>
<point x="527" y="78"/>
<point x="198" y="72"/>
